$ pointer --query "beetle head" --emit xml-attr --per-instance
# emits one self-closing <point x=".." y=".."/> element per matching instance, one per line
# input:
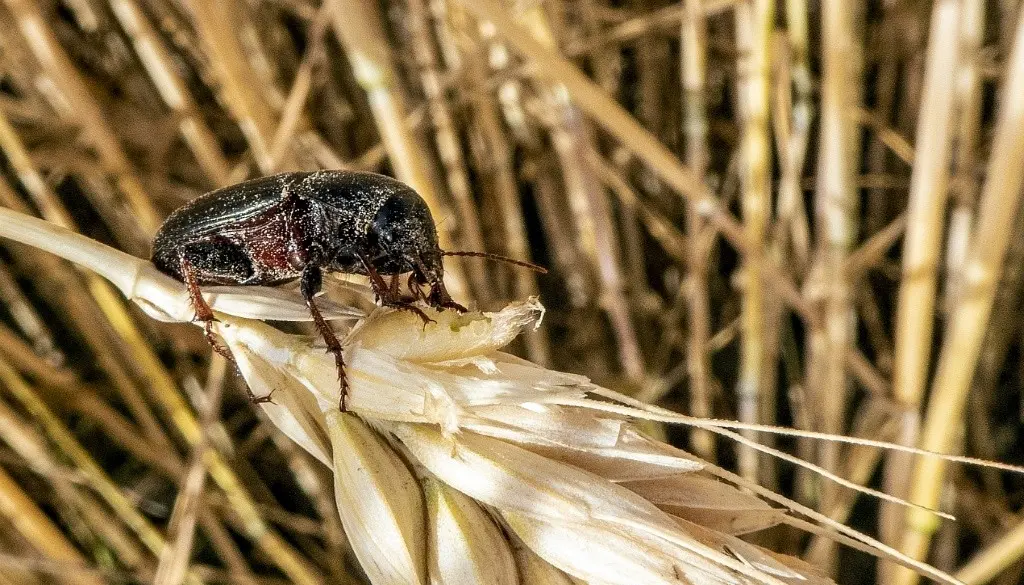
<point x="404" y="233"/>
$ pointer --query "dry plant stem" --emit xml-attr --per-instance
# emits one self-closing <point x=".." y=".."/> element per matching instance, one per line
<point x="662" y="229"/>
<point x="38" y="529"/>
<point x="563" y="249"/>
<point x="495" y="163"/>
<point x="82" y="309"/>
<point x="156" y="57"/>
<point x="860" y="463"/>
<point x="693" y="37"/>
<point x="644" y="145"/>
<point x="651" y="53"/>
<point x="877" y="330"/>
<point x="994" y="558"/>
<point x="888" y="137"/>
<point x="175" y="557"/>
<point x="69" y="445"/>
<point x="836" y="202"/>
<point x="20" y="569"/>
<point x="449" y="40"/>
<point x="999" y="203"/>
<point x="216" y="25"/>
<point x="754" y="23"/>
<point x="165" y="392"/>
<point x="448" y="146"/>
<point x="314" y="480"/>
<point x="88" y="113"/>
<point x="227" y="549"/>
<point x="873" y="250"/>
<point x="605" y="62"/>
<point x="572" y="139"/>
<point x="44" y="198"/>
<point x="87" y="519"/>
<point x="794" y="151"/>
<point x="358" y="25"/>
<point x="628" y="30"/>
<point x="22" y="356"/>
<point x="125" y="433"/>
<point x="924" y="231"/>
<point x="28" y="320"/>
<point x="964" y="186"/>
<point x="291" y="112"/>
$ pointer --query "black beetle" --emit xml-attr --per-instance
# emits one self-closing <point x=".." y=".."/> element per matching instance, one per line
<point x="298" y="225"/>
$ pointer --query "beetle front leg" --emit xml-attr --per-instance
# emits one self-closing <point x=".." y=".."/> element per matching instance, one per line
<point x="388" y="296"/>
<point x="202" y="309"/>
<point x="440" y="298"/>
<point x="309" y="285"/>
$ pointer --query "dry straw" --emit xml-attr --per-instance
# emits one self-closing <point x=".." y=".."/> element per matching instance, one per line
<point x="455" y="454"/>
<point x="793" y="211"/>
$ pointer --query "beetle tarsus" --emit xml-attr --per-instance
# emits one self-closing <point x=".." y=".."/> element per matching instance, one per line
<point x="269" y="398"/>
<point x="450" y="304"/>
<point x="343" y="400"/>
<point x="403" y="306"/>
<point x="211" y="338"/>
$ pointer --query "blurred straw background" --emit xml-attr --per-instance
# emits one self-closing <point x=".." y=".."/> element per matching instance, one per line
<point x="801" y="213"/>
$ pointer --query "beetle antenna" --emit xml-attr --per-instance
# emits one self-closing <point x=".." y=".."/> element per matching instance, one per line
<point x="499" y="258"/>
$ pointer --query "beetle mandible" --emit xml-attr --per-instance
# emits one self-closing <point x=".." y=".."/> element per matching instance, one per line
<point x="299" y="225"/>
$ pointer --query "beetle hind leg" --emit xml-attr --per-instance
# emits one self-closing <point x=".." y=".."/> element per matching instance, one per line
<point x="202" y="309"/>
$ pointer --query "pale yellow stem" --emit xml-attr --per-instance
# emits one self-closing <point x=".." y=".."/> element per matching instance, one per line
<point x="915" y="313"/>
<point x="754" y="24"/>
<point x="693" y="37"/>
<point x="926" y="208"/>
<point x="37" y="528"/>
<point x="358" y="25"/>
<point x="999" y="203"/>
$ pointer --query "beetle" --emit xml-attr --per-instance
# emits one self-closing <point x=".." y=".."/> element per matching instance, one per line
<point x="299" y="225"/>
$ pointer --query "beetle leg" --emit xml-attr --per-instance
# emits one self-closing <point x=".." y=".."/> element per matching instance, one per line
<point x="380" y="288"/>
<point x="415" y="288"/>
<point x="385" y="296"/>
<point x="203" y="311"/>
<point x="309" y="285"/>
<point x="439" y="297"/>
<point x="393" y="289"/>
